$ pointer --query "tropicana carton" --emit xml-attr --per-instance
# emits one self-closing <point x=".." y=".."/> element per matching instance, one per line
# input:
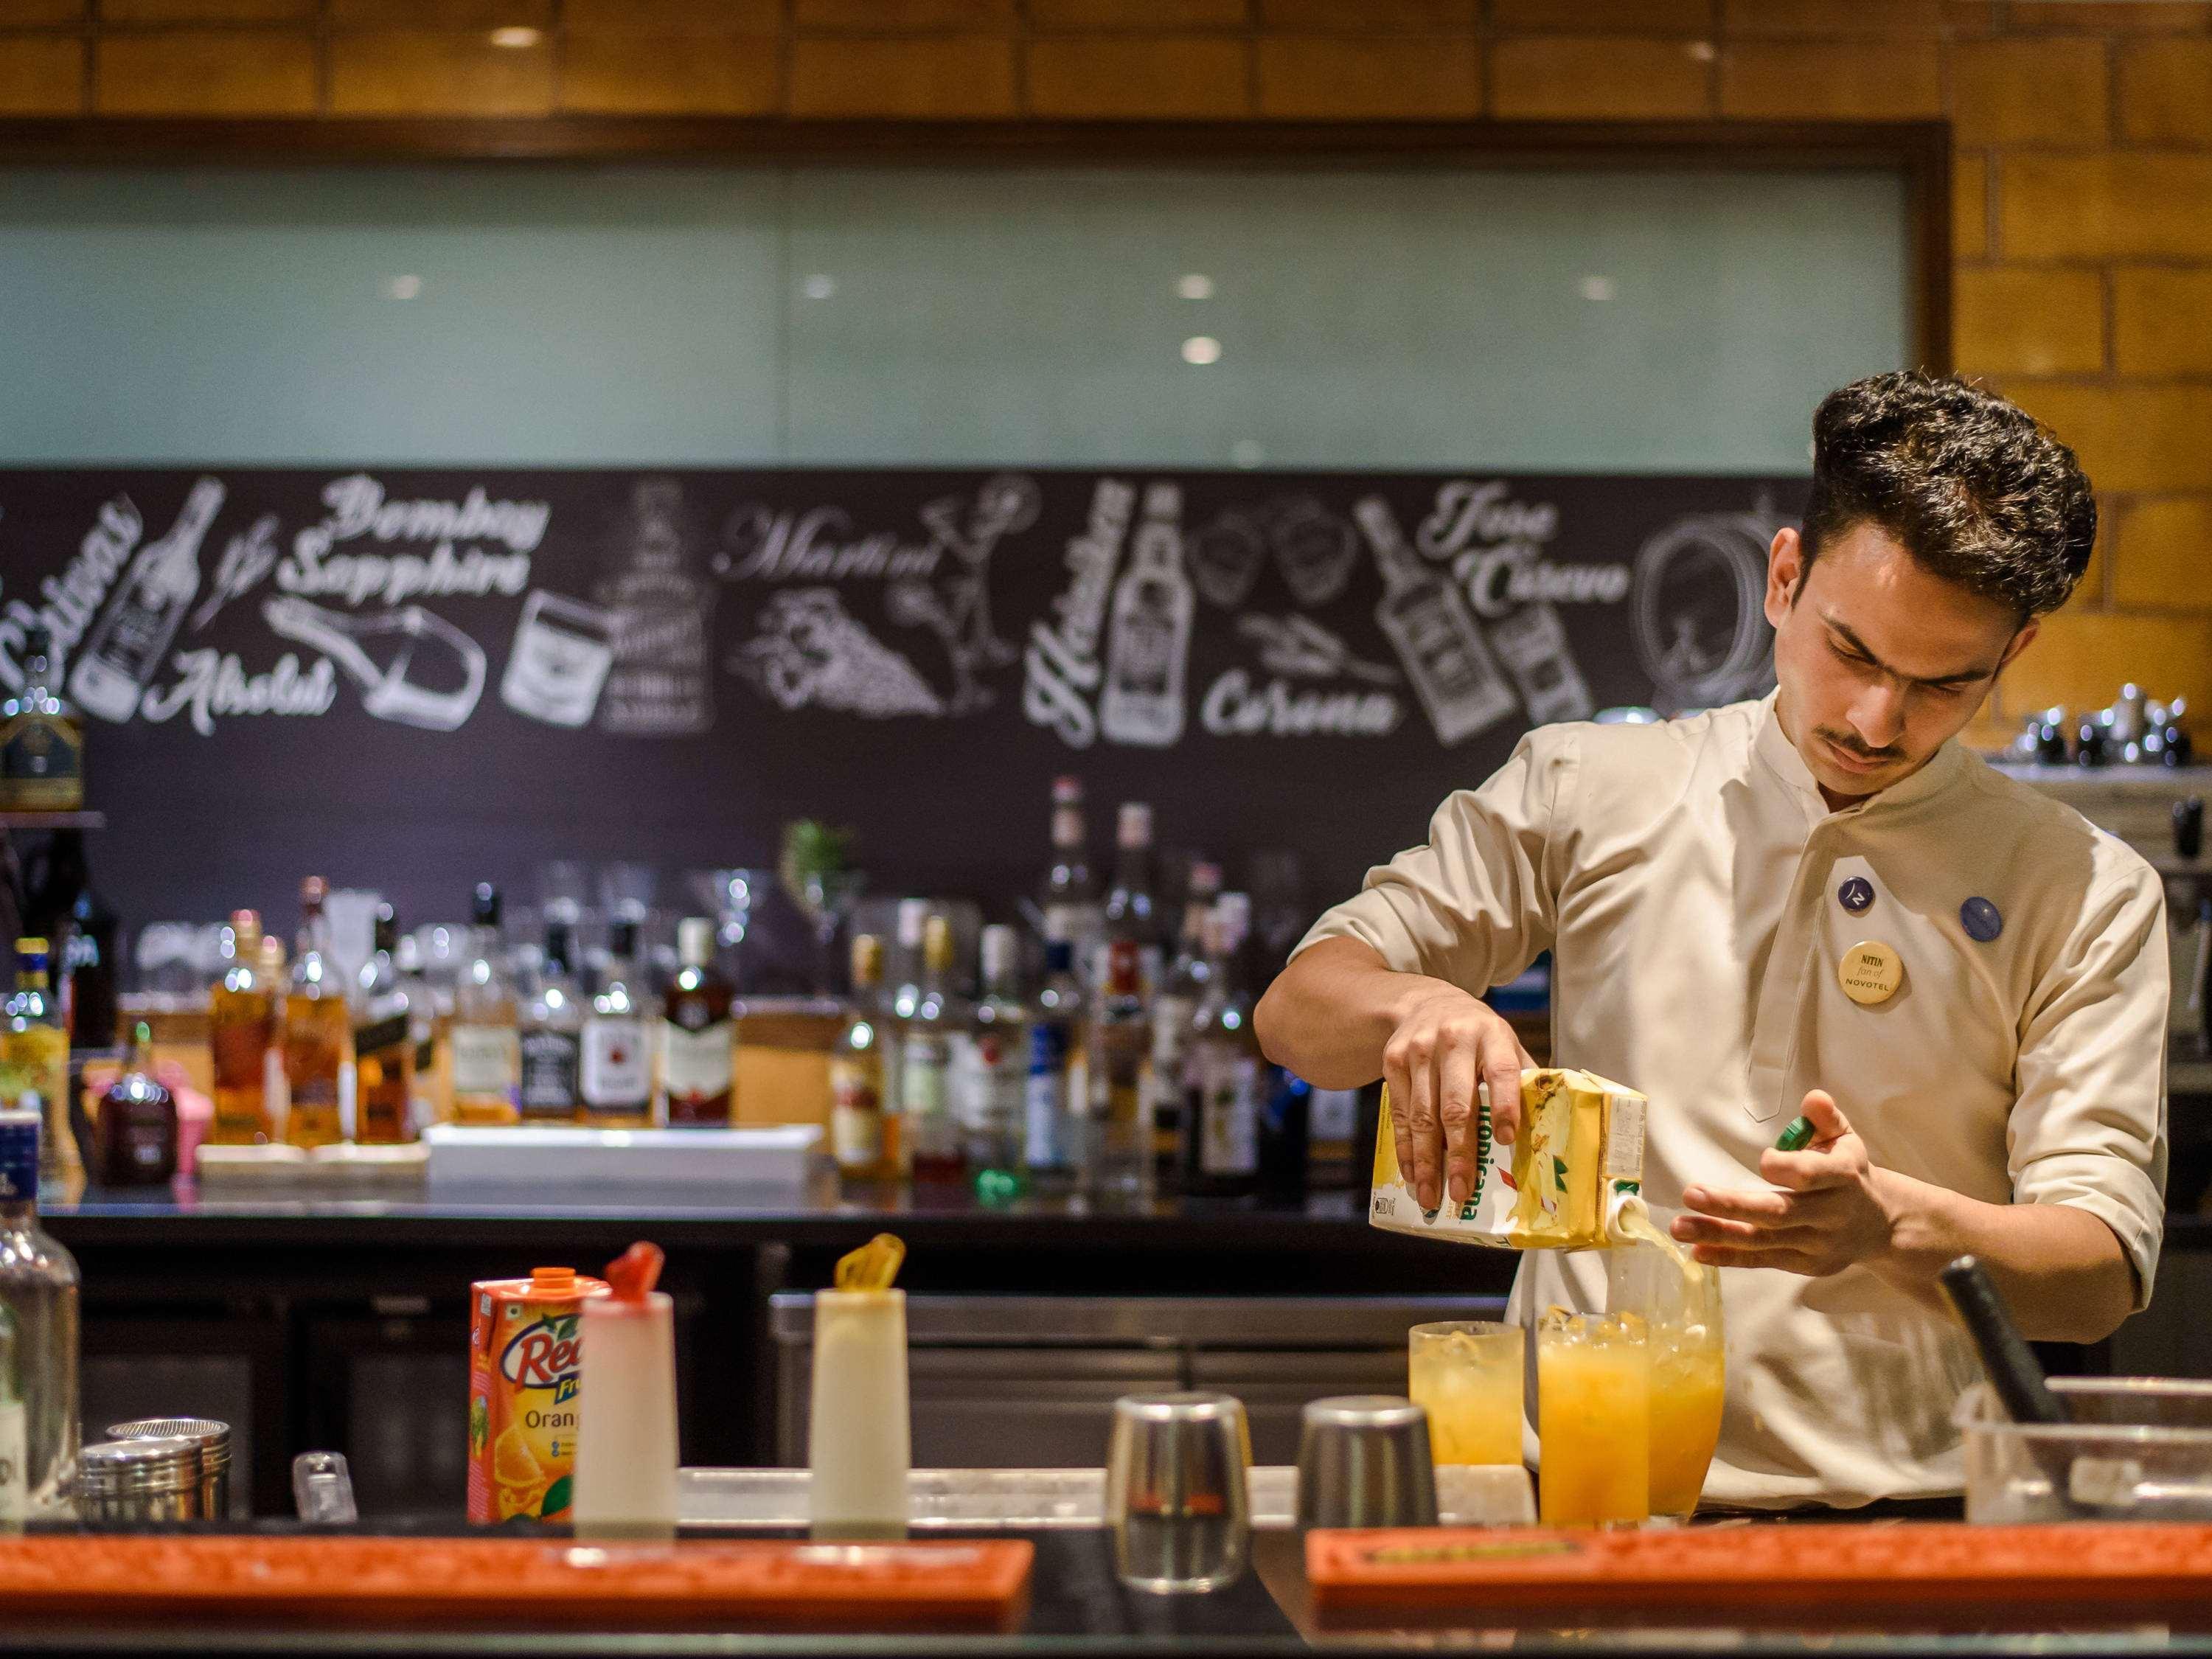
<point x="526" y="1352"/>
<point x="1579" y="1154"/>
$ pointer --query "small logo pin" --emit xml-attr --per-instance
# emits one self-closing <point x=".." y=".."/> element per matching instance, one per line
<point x="1856" y="895"/>
<point x="1982" y="920"/>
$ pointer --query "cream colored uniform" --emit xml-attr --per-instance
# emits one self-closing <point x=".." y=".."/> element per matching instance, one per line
<point x="1686" y="878"/>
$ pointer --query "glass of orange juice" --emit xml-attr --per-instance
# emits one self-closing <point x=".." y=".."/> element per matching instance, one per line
<point x="1468" y="1374"/>
<point x="1679" y="1300"/>
<point x="1593" y="1419"/>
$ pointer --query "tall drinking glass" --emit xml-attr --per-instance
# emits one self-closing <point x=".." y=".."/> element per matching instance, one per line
<point x="1593" y="1419"/>
<point x="1679" y="1303"/>
<point x="1468" y="1373"/>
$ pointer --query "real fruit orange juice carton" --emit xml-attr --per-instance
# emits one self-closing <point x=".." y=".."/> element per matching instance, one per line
<point x="1579" y="1154"/>
<point x="526" y="1347"/>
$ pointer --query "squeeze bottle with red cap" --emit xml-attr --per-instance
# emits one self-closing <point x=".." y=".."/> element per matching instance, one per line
<point x="626" y="1447"/>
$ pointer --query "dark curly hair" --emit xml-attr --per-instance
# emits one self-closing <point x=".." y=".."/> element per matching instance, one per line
<point x="1975" y="490"/>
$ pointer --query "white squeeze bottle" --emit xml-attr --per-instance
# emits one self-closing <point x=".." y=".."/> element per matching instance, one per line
<point x="859" y="1446"/>
<point x="626" y="1451"/>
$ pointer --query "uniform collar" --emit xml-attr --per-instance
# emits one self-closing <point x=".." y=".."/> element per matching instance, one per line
<point x="1787" y="767"/>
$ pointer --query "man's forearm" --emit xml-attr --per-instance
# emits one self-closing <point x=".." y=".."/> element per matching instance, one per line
<point x="2062" y="1270"/>
<point x="1328" y="1015"/>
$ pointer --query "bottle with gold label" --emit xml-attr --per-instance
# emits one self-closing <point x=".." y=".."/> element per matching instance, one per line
<point x="34" y="1062"/>
<point x="318" y="1026"/>
<point x="383" y="1043"/>
<point x="242" y="1031"/>
<point x="41" y="745"/>
<point x="866" y="1140"/>
<point x="486" y="1037"/>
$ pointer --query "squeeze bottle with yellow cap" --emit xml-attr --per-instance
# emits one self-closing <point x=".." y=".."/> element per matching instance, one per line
<point x="859" y="1443"/>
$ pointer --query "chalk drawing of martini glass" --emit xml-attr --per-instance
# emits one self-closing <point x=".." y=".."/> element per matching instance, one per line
<point x="431" y="673"/>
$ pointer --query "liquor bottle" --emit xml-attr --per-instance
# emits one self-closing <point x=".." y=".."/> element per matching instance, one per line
<point x="35" y="1061"/>
<point x="1071" y="895"/>
<point x="485" y="1038"/>
<point x="926" y="1063"/>
<point x="1114" y="1146"/>
<point x="383" y="1042"/>
<point x="1174" y="1010"/>
<point x="1131" y="914"/>
<point x="317" y="1024"/>
<point x="864" y="1138"/>
<point x="990" y="1073"/>
<point x="137" y="1127"/>
<point x="38" y="1293"/>
<point x="1426" y="617"/>
<point x="1287" y="1115"/>
<point x="1059" y="1054"/>
<point x="127" y="645"/>
<point x="428" y="1029"/>
<point x="1226" y="1072"/>
<point x="551" y="1035"/>
<point x="41" y="745"/>
<point x="616" y="1073"/>
<point x="241" y="1032"/>
<point x="82" y="929"/>
<point x="698" y="1036"/>
<point x="661" y="683"/>
<point x="912" y="923"/>
<point x="1149" y="641"/>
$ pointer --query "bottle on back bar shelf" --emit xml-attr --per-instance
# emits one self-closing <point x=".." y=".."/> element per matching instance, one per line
<point x="1115" y="1155"/>
<point x="1132" y="914"/>
<point x="1070" y="902"/>
<point x="913" y="920"/>
<point x="137" y="1122"/>
<point x="82" y="929"/>
<point x="1058" y="1045"/>
<point x="617" y="1066"/>
<point x="486" y="1056"/>
<point x="383" y="1043"/>
<point x="1174" y="1008"/>
<point x="37" y="1341"/>
<point x="990" y="1073"/>
<point x="698" y="1036"/>
<point x="41" y="745"/>
<point x="551" y="1035"/>
<point x="926" y="1063"/>
<point x="242" y="1031"/>
<point x="34" y="1071"/>
<point x="1225" y="1076"/>
<point x="317" y="1024"/>
<point x="427" y="1032"/>
<point x="864" y="1140"/>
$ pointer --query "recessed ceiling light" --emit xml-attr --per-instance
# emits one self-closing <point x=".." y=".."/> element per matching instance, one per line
<point x="1599" y="289"/>
<point x="1201" y="349"/>
<point x="1196" y="286"/>
<point x="402" y="287"/>
<point x="517" y="37"/>
<point x="820" y="286"/>
<point x="1247" y="453"/>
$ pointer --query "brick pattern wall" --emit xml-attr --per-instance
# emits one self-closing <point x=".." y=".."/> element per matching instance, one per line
<point x="2083" y="211"/>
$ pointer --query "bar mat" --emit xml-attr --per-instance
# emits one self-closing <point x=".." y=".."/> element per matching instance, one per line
<point x="353" y="1581"/>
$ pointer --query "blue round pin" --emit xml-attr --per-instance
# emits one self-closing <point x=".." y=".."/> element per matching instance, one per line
<point x="1857" y="895"/>
<point x="1982" y="920"/>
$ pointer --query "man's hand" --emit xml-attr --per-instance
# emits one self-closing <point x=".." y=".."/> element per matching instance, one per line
<point x="1444" y="1042"/>
<point x="1827" y="1209"/>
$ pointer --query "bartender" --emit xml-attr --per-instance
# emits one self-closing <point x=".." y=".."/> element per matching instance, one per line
<point x="1818" y="903"/>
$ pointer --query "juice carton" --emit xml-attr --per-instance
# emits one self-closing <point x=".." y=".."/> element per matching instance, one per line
<point x="526" y="1349"/>
<point x="1579" y="1153"/>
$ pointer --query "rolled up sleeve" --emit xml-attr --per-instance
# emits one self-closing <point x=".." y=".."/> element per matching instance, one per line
<point x="2088" y="1126"/>
<point x="1477" y="903"/>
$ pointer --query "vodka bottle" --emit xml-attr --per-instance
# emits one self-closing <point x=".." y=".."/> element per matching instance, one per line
<point x="1058" y="1059"/>
<point x="127" y="644"/>
<point x="1426" y="617"/>
<point x="1150" y="642"/>
<point x="38" y="1370"/>
<point x="990" y="1073"/>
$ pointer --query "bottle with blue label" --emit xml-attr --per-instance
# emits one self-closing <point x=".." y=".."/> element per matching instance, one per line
<point x="38" y="1295"/>
<point x="1058" y="1068"/>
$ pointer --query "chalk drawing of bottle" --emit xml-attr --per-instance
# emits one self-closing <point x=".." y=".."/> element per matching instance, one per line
<point x="661" y="685"/>
<point x="412" y="667"/>
<point x="1150" y="642"/>
<point x="132" y="635"/>
<point x="1424" y="616"/>
<point x="1534" y="643"/>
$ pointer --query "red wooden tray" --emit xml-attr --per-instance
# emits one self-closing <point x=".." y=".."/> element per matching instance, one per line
<point x="1541" y="1576"/>
<point x="519" y="1583"/>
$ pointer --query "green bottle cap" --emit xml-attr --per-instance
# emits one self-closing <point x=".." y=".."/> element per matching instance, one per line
<point x="1796" y="1137"/>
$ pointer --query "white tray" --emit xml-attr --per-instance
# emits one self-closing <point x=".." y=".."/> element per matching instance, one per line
<point x="761" y="1162"/>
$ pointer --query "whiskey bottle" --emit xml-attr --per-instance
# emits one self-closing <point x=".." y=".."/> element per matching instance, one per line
<point x="383" y="1043"/>
<point x="615" y="1071"/>
<point x="34" y="1062"/>
<point x="487" y="1059"/>
<point x="38" y="1297"/>
<point x="552" y="1036"/>
<point x="41" y="745"/>
<point x="137" y="1126"/>
<point x="242" y="1031"/>
<point x="1115" y="1147"/>
<point x="926" y="1064"/>
<point x="1224" y="1078"/>
<point x="698" y="1036"/>
<point x="865" y="1141"/>
<point x="317" y="1024"/>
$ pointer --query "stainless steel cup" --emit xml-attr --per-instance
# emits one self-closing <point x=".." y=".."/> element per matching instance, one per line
<point x="1363" y="1461"/>
<point x="212" y="1443"/>
<point x="1175" y="1491"/>
<point x="134" y="1480"/>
